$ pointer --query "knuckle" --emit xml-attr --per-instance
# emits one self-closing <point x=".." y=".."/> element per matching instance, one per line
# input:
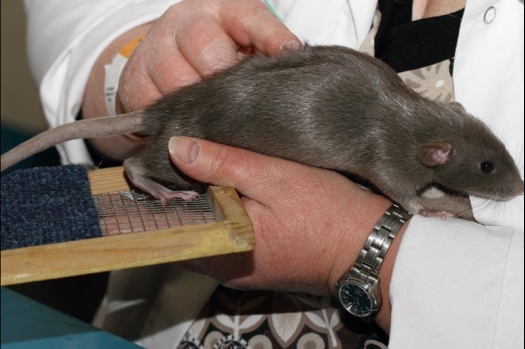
<point x="132" y="89"/>
<point x="218" y="56"/>
<point x="175" y="10"/>
<point x="254" y="15"/>
<point x="217" y="163"/>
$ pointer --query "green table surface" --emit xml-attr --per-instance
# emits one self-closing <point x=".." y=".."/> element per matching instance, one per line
<point x="28" y="324"/>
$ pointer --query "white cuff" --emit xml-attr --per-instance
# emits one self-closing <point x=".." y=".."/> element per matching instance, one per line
<point x="457" y="284"/>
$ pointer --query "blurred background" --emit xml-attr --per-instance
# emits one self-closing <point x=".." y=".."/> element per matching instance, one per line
<point x="22" y="118"/>
<point x="21" y="114"/>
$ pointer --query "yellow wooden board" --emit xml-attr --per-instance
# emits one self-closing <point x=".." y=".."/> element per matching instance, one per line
<point x="233" y="232"/>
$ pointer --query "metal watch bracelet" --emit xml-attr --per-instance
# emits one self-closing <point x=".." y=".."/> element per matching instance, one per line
<point x="359" y="289"/>
<point x="371" y="256"/>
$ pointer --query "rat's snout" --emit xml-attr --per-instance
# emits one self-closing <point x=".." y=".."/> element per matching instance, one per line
<point x="520" y="190"/>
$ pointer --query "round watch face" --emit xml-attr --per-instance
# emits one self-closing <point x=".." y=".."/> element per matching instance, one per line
<point x="355" y="299"/>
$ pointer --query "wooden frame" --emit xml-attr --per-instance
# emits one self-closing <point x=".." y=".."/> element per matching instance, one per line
<point x="233" y="232"/>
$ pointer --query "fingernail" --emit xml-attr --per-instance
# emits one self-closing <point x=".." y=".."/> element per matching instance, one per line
<point x="290" y="45"/>
<point x="185" y="150"/>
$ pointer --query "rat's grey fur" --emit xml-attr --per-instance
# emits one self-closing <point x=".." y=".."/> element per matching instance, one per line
<point x="328" y="107"/>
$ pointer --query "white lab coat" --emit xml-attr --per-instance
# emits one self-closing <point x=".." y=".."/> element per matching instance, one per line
<point x="456" y="284"/>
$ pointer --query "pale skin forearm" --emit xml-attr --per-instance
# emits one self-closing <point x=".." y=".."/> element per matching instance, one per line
<point x="120" y="147"/>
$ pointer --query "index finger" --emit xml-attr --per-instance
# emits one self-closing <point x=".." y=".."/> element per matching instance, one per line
<point x="252" y="23"/>
<point x="206" y="46"/>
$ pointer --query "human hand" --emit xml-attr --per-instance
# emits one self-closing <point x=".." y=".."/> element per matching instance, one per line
<point x="310" y="223"/>
<point x="194" y="39"/>
<point x="191" y="40"/>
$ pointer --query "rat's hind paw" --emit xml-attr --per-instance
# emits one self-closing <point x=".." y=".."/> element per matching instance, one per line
<point x="162" y="193"/>
<point x="186" y="195"/>
<point x="153" y="188"/>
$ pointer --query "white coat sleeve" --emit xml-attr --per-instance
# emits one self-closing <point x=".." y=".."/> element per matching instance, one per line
<point x="65" y="37"/>
<point x="457" y="285"/>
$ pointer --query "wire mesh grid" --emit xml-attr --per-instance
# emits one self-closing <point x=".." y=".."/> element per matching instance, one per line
<point x="133" y="211"/>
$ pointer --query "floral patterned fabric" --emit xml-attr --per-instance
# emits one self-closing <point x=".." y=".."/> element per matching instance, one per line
<point x="433" y="82"/>
<point x="264" y="320"/>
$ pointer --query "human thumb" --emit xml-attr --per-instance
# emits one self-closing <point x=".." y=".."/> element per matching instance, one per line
<point x="219" y="164"/>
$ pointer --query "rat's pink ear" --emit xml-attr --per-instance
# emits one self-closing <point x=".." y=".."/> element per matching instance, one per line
<point x="433" y="154"/>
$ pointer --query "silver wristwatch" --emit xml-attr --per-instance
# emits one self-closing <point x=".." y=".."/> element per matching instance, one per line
<point x="359" y="289"/>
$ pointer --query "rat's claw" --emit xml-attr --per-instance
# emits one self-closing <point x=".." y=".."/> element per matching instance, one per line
<point x="442" y="214"/>
<point x="166" y="194"/>
<point x="153" y="188"/>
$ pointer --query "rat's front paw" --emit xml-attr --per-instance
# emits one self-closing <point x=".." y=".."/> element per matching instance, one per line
<point x="441" y="214"/>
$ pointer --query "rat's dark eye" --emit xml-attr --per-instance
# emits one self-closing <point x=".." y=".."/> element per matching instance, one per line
<point x="487" y="166"/>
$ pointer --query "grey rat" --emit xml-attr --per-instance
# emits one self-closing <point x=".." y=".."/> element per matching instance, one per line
<point x="323" y="106"/>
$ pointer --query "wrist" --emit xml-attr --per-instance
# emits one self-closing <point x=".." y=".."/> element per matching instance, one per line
<point x="367" y="213"/>
<point x="363" y="287"/>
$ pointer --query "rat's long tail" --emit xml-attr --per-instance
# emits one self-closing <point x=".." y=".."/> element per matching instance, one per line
<point x="89" y="128"/>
